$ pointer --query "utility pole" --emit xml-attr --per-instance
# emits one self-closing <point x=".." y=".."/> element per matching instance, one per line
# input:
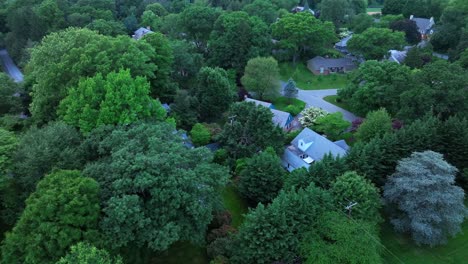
<point x="349" y="207"/>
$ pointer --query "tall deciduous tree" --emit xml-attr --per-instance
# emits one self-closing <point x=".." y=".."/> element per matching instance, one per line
<point x="249" y="130"/>
<point x="83" y="253"/>
<point x="264" y="9"/>
<point x="274" y="233"/>
<point x="338" y="239"/>
<point x="8" y="143"/>
<point x="331" y="125"/>
<point x="410" y="28"/>
<point x="62" y="211"/>
<point x="261" y="76"/>
<point x="353" y="188"/>
<point x="187" y="63"/>
<point x="214" y="92"/>
<point x="336" y="11"/>
<point x="301" y="32"/>
<point x="262" y="177"/>
<point x="377" y="123"/>
<point x="198" y="22"/>
<point x="428" y="204"/>
<point x="10" y="102"/>
<point x="155" y="191"/>
<point x="236" y="38"/>
<point x="117" y="99"/>
<point x="374" y="43"/>
<point x="393" y="7"/>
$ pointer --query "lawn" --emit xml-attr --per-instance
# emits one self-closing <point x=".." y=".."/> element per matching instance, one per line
<point x="306" y="80"/>
<point x="404" y="250"/>
<point x="332" y="100"/>
<point x="374" y="9"/>
<point x="235" y="204"/>
<point x="281" y="103"/>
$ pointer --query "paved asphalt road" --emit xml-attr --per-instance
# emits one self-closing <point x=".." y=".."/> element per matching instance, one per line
<point x="10" y="67"/>
<point x="315" y="98"/>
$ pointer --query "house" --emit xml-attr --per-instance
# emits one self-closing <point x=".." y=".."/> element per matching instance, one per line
<point x="425" y="26"/>
<point x="141" y="32"/>
<point x="166" y="107"/>
<point x="342" y="45"/>
<point x="282" y="119"/>
<point x="309" y="147"/>
<point x="325" y="66"/>
<point x="304" y="8"/>
<point x="397" y="56"/>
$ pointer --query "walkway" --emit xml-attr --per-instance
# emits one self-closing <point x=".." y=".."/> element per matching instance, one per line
<point x="10" y="67"/>
<point x="315" y="98"/>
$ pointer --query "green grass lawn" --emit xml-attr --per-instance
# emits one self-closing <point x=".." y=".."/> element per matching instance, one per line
<point x="281" y="103"/>
<point x="332" y="99"/>
<point x="306" y="80"/>
<point x="235" y="204"/>
<point x="406" y="251"/>
<point x="374" y="9"/>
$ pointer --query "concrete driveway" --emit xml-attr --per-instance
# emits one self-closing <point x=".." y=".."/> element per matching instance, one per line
<point x="10" y="67"/>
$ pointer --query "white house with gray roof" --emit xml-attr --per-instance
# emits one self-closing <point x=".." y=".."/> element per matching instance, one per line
<point x="309" y="147"/>
<point x="320" y="65"/>
<point x="141" y="32"/>
<point x="425" y="26"/>
<point x="282" y="119"/>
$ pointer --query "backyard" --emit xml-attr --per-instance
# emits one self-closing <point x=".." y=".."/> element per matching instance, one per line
<point x="332" y="100"/>
<point x="305" y="80"/>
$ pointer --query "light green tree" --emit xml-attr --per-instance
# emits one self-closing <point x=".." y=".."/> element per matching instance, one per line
<point x="332" y="125"/>
<point x="377" y="123"/>
<point x="261" y="76"/>
<point x="374" y="43"/>
<point x="84" y="253"/>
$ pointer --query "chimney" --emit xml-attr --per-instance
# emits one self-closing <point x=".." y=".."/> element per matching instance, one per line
<point x="431" y="20"/>
<point x="148" y="27"/>
<point x="411" y="17"/>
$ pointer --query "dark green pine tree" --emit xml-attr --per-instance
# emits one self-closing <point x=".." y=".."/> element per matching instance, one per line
<point x="290" y="90"/>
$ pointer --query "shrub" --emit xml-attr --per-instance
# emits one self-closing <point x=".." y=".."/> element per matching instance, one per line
<point x="293" y="109"/>
<point x="200" y="135"/>
<point x="310" y="116"/>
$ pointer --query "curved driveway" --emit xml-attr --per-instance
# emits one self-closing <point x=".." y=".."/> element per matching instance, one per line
<point x="10" y="67"/>
<point x="315" y="98"/>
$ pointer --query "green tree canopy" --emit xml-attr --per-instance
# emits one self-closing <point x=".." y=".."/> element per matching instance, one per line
<point x="261" y="76"/>
<point x="428" y="204"/>
<point x="187" y="63"/>
<point x="337" y="11"/>
<point x="361" y="22"/>
<point x="301" y="32"/>
<point x="198" y="22"/>
<point x="155" y="191"/>
<point x="332" y="125"/>
<point x="84" y="253"/>
<point x="262" y="177"/>
<point x="62" y="211"/>
<point x="214" y="92"/>
<point x="8" y="143"/>
<point x="236" y="38"/>
<point x="353" y="188"/>
<point x="377" y="123"/>
<point x="374" y="43"/>
<point x="264" y="9"/>
<point x="338" y="239"/>
<point x="274" y="233"/>
<point x="200" y="135"/>
<point x="10" y="102"/>
<point x="116" y="99"/>
<point x="250" y="130"/>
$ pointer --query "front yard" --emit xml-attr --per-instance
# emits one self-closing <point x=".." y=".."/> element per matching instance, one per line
<point x="332" y="100"/>
<point x="305" y="80"/>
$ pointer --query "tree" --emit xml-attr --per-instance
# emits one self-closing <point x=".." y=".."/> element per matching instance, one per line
<point x="55" y="146"/>
<point x="310" y="115"/>
<point x="151" y="181"/>
<point x="8" y="143"/>
<point x="62" y="58"/>
<point x="439" y="89"/>
<point x="464" y="59"/>
<point x="62" y="211"/>
<point x="377" y="123"/>
<point x="353" y="188"/>
<point x="342" y="240"/>
<point x="417" y="58"/>
<point x="301" y="32"/>
<point x="374" y="43"/>
<point x="332" y="125"/>
<point x="10" y="101"/>
<point x="109" y="28"/>
<point x="361" y="22"/>
<point x="187" y="63"/>
<point x="83" y="253"/>
<point x="428" y="204"/>
<point x="336" y="11"/>
<point x="198" y="22"/>
<point x="273" y="233"/>
<point x="115" y="99"/>
<point x="261" y="76"/>
<point x="393" y="7"/>
<point x="264" y="9"/>
<point x="236" y="38"/>
<point x="8" y="195"/>
<point x="184" y="110"/>
<point x="290" y="90"/>
<point x="250" y="130"/>
<point x="262" y="177"/>
<point x="410" y="28"/>
<point x="200" y="135"/>
<point x="214" y="92"/>
<point x="375" y="85"/>
<point x="358" y="6"/>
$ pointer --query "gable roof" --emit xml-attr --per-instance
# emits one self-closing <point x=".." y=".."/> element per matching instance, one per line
<point x="139" y="33"/>
<point x="397" y="56"/>
<point x="282" y="119"/>
<point x="321" y="62"/>
<point x="424" y="24"/>
<point x="258" y="102"/>
<point x="342" y="144"/>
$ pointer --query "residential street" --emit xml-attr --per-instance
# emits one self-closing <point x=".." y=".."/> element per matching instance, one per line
<point x="10" y="67"/>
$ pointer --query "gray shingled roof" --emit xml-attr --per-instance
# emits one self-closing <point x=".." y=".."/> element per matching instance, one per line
<point x="319" y="62"/>
<point x="424" y="24"/>
<point x="316" y="148"/>
<point x="280" y="118"/>
<point x="343" y="42"/>
<point x="258" y="102"/>
<point x="342" y="144"/>
<point x="397" y="56"/>
<point x="139" y="33"/>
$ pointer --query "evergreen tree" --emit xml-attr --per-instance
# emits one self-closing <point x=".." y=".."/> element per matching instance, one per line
<point x="290" y="90"/>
